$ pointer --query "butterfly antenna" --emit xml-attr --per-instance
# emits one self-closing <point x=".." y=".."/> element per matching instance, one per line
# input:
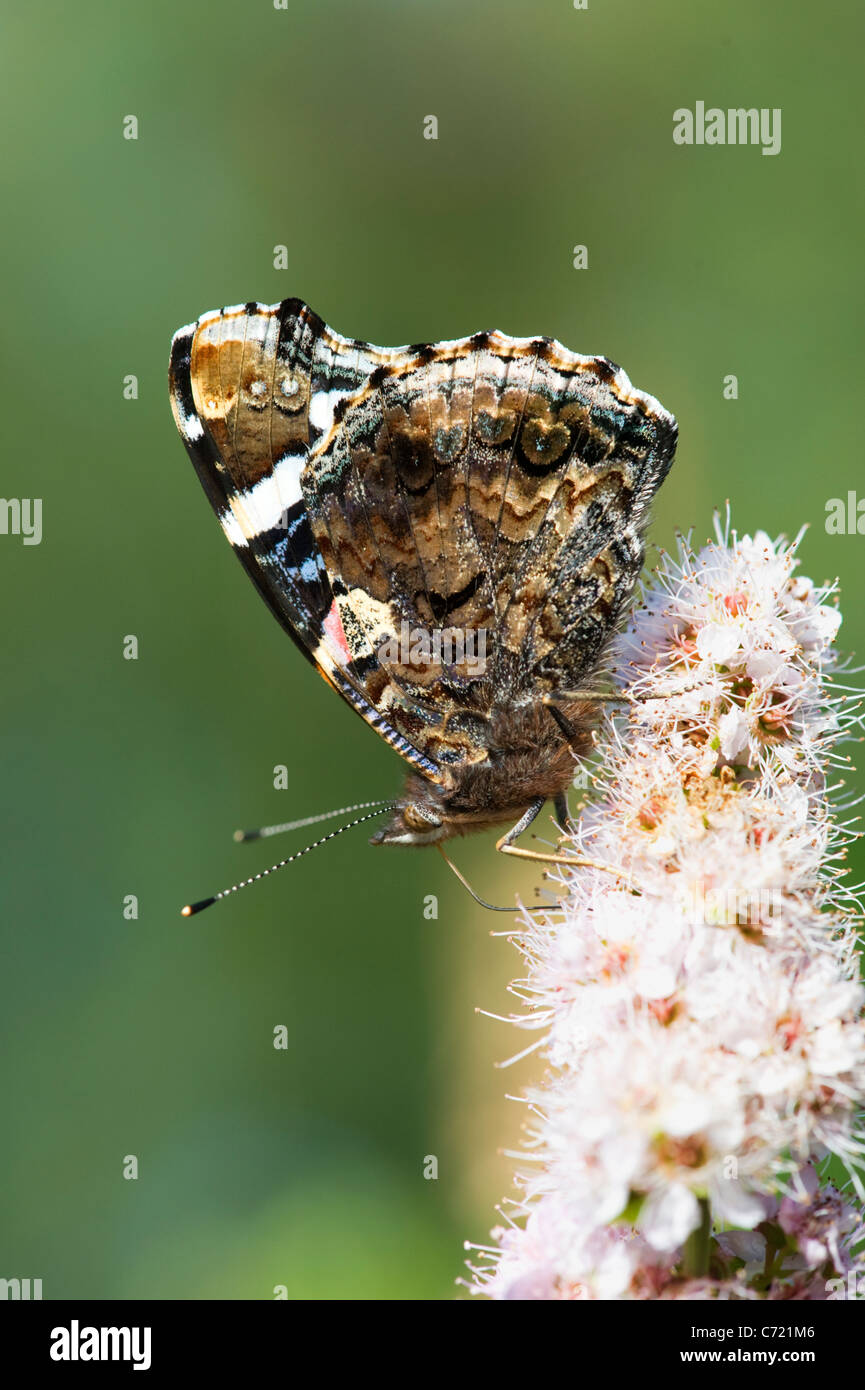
<point x="242" y="836"/>
<point x="193" y="908"/>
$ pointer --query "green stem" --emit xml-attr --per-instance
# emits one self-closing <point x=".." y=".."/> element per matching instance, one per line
<point x="695" y="1256"/>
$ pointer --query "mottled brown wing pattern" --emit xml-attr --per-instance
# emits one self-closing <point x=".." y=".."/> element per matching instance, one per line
<point x="501" y="486"/>
<point x="388" y="506"/>
<point x="253" y="388"/>
<point x="589" y="454"/>
<point x="487" y="484"/>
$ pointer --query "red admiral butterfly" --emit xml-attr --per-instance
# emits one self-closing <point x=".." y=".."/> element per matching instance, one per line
<point x="450" y="532"/>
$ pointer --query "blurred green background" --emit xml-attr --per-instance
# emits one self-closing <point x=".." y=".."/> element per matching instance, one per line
<point x="304" y="127"/>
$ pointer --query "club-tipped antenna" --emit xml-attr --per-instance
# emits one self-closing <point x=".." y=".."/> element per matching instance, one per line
<point x="265" y="831"/>
<point x="192" y="908"/>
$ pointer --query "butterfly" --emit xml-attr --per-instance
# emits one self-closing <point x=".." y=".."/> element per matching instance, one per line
<point x="450" y="532"/>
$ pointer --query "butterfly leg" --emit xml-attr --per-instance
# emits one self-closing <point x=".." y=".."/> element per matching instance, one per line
<point x="506" y="845"/>
<point x="506" y="842"/>
<point x="563" y="814"/>
<point x="564" y="724"/>
<point x="620" y="698"/>
<point x="589" y="695"/>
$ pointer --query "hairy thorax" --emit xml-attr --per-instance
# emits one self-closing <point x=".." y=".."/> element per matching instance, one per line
<point x="530" y="757"/>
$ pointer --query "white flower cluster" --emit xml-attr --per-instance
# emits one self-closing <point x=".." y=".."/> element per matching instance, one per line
<point x="700" y="1004"/>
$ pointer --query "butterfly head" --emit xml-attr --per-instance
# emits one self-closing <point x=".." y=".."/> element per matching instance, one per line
<point x="417" y="821"/>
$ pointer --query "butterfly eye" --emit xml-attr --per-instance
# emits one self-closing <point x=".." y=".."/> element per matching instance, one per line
<point x="419" y="817"/>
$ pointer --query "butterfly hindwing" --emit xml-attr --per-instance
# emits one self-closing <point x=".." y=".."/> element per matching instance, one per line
<point x="537" y="466"/>
<point x="589" y="454"/>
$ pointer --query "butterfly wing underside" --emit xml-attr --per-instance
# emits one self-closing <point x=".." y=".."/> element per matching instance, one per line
<point x="492" y="487"/>
<point x="252" y="389"/>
